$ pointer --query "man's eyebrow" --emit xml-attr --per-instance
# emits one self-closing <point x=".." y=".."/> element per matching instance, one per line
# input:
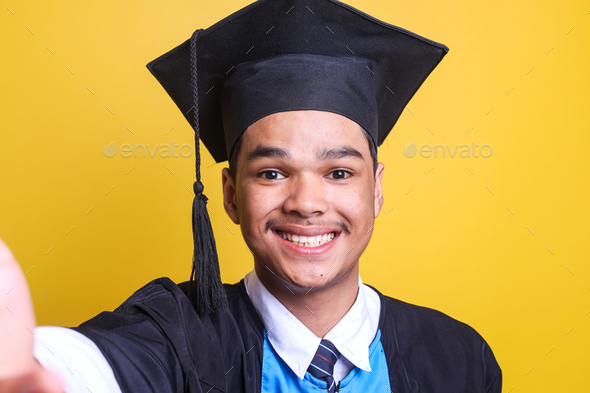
<point x="262" y="151"/>
<point x="340" y="152"/>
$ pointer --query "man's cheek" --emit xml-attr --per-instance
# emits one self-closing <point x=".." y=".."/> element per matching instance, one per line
<point x="256" y="196"/>
<point x="352" y="202"/>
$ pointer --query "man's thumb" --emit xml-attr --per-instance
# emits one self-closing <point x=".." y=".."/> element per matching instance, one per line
<point x="37" y="381"/>
<point x="17" y="319"/>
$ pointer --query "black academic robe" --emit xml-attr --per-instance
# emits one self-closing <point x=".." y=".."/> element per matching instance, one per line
<point x="156" y="342"/>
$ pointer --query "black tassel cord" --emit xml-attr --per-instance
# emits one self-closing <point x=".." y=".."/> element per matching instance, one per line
<point x="206" y="291"/>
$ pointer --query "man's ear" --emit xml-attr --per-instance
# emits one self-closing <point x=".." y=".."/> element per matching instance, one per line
<point x="378" y="189"/>
<point x="229" y="196"/>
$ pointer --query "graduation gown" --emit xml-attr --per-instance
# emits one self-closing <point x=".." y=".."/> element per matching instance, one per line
<point x="156" y="342"/>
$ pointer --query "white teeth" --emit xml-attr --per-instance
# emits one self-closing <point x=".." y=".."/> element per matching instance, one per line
<point x="308" y="241"/>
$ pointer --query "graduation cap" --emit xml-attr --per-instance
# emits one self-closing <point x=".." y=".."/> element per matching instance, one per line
<point x="284" y="55"/>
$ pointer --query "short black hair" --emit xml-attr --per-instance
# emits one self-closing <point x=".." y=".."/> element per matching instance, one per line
<point x="233" y="162"/>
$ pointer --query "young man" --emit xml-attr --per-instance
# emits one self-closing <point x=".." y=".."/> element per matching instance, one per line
<point x="298" y="111"/>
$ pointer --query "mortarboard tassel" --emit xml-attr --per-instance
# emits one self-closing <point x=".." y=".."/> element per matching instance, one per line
<point x="206" y="291"/>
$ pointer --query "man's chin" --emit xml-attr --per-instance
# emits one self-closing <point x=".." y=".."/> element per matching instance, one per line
<point x="307" y="282"/>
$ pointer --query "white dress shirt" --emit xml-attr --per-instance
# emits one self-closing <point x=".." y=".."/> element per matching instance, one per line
<point x="297" y="345"/>
<point x="82" y="367"/>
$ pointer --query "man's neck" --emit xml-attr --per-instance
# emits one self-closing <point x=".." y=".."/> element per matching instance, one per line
<point x="319" y="309"/>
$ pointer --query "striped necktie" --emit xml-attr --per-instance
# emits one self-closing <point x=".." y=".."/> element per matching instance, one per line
<point x="322" y="364"/>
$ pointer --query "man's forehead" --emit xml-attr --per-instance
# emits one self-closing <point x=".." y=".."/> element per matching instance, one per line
<point x="292" y="124"/>
<point x="315" y="134"/>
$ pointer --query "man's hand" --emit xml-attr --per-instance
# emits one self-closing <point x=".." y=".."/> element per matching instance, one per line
<point x="19" y="371"/>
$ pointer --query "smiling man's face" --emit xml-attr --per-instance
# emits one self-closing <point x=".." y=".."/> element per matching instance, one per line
<point x="305" y="196"/>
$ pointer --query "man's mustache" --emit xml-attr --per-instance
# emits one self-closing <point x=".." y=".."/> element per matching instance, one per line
<point x="276" y="221"/>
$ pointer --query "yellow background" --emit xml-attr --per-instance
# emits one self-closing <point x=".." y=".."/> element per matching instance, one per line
<point x="500" y="242"/>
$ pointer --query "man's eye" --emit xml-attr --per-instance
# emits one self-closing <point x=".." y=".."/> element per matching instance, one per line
<point x="271" y="175"/>
<point x="339" y="174"/>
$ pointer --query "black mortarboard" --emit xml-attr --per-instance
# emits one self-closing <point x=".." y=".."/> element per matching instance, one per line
<point x="283" y="55"/>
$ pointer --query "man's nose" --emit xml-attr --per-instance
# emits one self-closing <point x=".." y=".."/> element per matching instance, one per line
<point x="306" y="197"/>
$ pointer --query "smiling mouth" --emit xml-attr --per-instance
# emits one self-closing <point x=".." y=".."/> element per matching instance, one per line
<point x="307" y="241"/>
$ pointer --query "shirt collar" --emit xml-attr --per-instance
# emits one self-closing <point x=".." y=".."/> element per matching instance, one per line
<point x="296" y="344"/>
